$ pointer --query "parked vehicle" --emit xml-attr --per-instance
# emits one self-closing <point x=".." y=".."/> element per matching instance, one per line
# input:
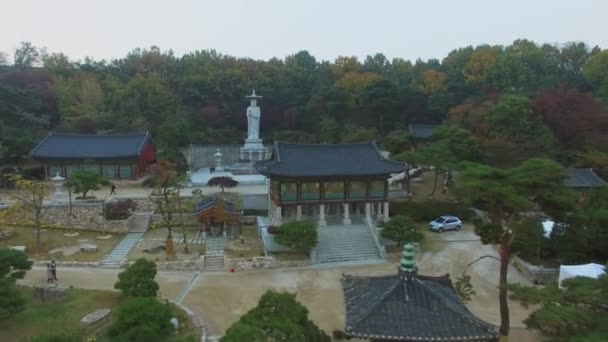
<point x="445" y="222"/>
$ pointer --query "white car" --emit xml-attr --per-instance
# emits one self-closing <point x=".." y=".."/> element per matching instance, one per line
<point x="445" y="222"/>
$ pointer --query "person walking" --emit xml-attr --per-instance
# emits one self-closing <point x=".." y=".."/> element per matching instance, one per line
<point x="49" y="274"/>
<point x="113" y="190"/>
<point x="54" y="270"/>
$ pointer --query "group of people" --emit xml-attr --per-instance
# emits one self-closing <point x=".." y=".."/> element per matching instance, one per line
<point x="51" y="272"/>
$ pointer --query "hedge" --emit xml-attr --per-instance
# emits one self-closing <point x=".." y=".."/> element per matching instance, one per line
<point x="429" y="210"/>
<point x="255" y="212"/>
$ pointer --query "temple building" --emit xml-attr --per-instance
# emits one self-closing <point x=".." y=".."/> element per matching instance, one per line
<point x="115" y="156"/>
<point x="322" y="181"/>
<point x="410" y="307"/>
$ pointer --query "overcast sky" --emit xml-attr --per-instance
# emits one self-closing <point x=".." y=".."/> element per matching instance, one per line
<point x="266" y="28"/>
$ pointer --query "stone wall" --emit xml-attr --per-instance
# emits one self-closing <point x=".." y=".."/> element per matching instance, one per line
<point x="86" y="216"/>
<point x="262" y="263"/>
<point x="535" y="273"/>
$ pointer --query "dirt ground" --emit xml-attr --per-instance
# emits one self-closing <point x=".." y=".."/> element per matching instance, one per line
<point x="222" y="298"/>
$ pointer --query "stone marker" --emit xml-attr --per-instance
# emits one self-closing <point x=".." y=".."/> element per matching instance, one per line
<point x="7" y="233"/>
<point x="50" y="292"/>
<point x="18" y="248"/>
<point x="154" y="249"/>
<point x="95" y="316"/>
<point x="175" y="323"/>
<point x="88" y="247"/>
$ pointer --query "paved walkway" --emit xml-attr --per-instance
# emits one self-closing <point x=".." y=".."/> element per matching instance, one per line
<point x="140" y="223"/>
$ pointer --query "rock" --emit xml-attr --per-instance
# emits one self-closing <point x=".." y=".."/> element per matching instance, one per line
<point x="417" y="180"/>
<point x="95" y="316"/>
<point x="6" y="234"/>
<point x="50" y="292"/>
<point x="175" y="323"/>
<point x="154" y="249"/>
<point x="88" y="247"/>
<point x="18" y="248"/>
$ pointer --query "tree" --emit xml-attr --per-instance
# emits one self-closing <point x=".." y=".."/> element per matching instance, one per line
<point x="576" y="119"/>
<point x="596" y="73"/>
<point x="13" y="265"/>
<point x="30" y="196"/>
<point x="402" y="230"/>
<point x="300" y="236"/>
<point x="354" y="133"/>
<point x="505" y="193"/>
<point x="397" y="141"/>
<point x="329" y="130"/>
<point x="223" y="182"/>
<point x="513" y="120"/>
<point x="575" y="313"/>
<point x="26" y="56"/>
<point x="138" y="279"/>
<point x="85" y="181"/>
<point x="277" y="317"/>
<point x="379" y="98"/>
<point x="165" y="179"/>
<point x="142" y="319"/>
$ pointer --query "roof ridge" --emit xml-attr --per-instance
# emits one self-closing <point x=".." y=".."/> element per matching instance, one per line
<point x="98" y="134"/>
<point x="40" y="143"/>
<point x="379" y="299"/>
<point x="324" y="144"/>
<point x="458" y="309"/>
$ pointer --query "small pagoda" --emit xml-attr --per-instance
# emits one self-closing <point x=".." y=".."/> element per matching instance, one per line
<point x="410" y="307"/>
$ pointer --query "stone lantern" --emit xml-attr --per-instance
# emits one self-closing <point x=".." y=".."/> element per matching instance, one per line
<point x="218" y="160"/>
<point x="58" y="194"/>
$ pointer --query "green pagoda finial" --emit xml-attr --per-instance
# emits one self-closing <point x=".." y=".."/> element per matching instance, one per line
<point x="408" y="259"/>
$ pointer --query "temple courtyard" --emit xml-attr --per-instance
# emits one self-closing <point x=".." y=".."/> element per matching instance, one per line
<point x="221" y="298"/>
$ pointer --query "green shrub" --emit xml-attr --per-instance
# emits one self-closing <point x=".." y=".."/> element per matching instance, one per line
<point x="65" y="337"/>
<point x="401" y="229"/>
<point x="300" y="236"/>
<point x="142" y="319"/>
<point x="138" y="279"/>
<point x="277" y="317"/>
<point x="429" y="210"/>
<point x="255" y="212"/>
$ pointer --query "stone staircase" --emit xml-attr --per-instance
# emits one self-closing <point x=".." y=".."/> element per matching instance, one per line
<point x="139" y="226"/>
<point x="344" y="243"/>
<point x="214" y="254"/>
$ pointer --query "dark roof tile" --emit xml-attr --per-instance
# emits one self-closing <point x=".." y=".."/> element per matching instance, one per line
<point x="583" y="178"/>
<point x="325" y="160"/>
<point x="90" y="146"/>
<point x="422" y="131"/>
<point x="418" y="309"/>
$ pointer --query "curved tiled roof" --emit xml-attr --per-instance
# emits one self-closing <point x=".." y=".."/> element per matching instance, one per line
<point x="208" y="203"/>
<point x="325" y="160"/>
<point x="90" y="146"/>
<point x="583" y="178"/>
<point x="414" y="308"/>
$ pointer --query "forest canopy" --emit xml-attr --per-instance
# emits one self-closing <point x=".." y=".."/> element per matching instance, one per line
<point x="520" y="101"/>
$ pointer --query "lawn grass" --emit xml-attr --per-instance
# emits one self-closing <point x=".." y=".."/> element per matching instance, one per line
<point x="251" y="248"/>
<point x="63" y="316"/>
<point x="54" y="238"/>
<point x="422" y="191"/>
